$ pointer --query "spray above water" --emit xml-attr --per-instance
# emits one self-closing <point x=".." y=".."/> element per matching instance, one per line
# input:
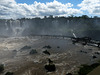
<point x="16" y="28"/>
<point x="6" y="25"/>
<point x="73" y="33"/>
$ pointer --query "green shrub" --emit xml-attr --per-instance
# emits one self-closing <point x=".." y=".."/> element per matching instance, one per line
<point x="85" y="69"/>
<point x="1" y="68"/>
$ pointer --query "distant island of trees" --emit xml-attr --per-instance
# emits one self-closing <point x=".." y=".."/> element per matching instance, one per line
<point x="57" y="17"/>
<point x="68" y="17"/>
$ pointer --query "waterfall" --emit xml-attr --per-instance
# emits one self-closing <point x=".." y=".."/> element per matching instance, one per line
<point x="67" y="21"/>
<point x="73" y="33"/>
<point x="6" y="25"/>
<point x="16" y="28"/>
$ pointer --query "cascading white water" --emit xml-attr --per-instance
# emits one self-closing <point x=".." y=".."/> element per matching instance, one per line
<point x="67" y="21"/>
<point x="73" y="33"/>
<point x="17" y="29"/>
<point x="6" y="25"/>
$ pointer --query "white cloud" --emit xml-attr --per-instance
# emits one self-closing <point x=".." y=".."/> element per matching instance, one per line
<point x="11" y="9"/>
<point x="92" y="6"/>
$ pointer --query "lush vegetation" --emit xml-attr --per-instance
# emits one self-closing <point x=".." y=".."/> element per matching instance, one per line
<point x="71" y="16"/>
<point x="1" y="68"/>
<point x="85" y="69"/>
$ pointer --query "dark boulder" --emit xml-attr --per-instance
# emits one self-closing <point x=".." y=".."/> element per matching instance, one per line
<point x="48" y="47"/>
<point x="50" y="67"/>
<point x="94" y="57"/>
<point x="83" y="51"/>
<point x="58" y="47"/>
<point x="33" y="51"/>
<point x="46" y="52"/>
<point x="97" y="53"/>
<point x="50" y="61"/>
<point x="25" y="47"/>
<point x="69" y="74"/>
<point x="9" y="73"/>
<point x="83" y="40"/>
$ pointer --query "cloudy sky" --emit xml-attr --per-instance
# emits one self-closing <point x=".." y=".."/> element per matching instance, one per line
<point x="33" y="8"/>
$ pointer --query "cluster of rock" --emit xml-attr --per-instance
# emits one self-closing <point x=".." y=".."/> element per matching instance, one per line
<point x="2" y="70"/>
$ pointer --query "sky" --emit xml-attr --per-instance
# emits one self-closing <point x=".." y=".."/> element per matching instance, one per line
<point x="39" y="8"/>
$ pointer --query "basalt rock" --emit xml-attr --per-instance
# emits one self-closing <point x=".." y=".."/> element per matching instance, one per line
<point x="9" y="73"/>
<point x="46" y="52"/>
<point x="69" y="74"/>
<point x="48" y="47"/>
<point x="94" y="57"/>
<point x="33" y="51"/>
<point x="50" y="67"/>
<point x="58" y="47"/>
<point x="50" y="61"/>
<point x="25" y="47"/>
